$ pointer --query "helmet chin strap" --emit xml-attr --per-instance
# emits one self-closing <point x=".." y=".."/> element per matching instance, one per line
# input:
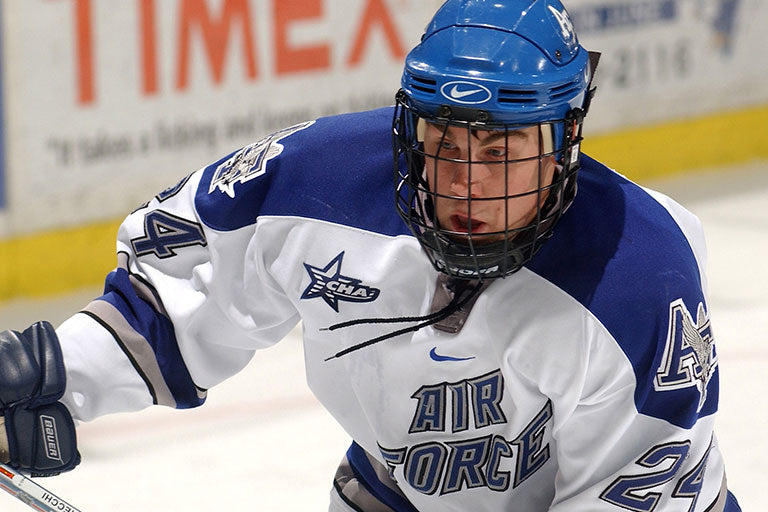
<point x="446" y="290"/>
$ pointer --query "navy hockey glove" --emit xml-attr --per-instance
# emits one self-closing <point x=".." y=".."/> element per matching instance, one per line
<point x="39" y="434"/>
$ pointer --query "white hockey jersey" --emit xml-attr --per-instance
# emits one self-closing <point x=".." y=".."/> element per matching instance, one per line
<point x="587" y="381"/>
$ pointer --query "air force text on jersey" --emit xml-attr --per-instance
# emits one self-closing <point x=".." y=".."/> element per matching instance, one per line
<point x="447" y="467"/>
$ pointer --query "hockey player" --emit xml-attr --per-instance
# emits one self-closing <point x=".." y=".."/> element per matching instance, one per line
<point x="496" y="341"/>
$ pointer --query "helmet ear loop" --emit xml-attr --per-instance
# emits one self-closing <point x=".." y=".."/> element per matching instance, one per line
<point x="417" y="206"/>
<point x="404" y="147"/>
<point x="415" y="162"/>
<point x="558" y="175"/>
<point x="432" y="191"/>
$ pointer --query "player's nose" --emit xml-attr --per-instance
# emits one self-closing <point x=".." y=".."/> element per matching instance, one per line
<point x="467" y="179"/>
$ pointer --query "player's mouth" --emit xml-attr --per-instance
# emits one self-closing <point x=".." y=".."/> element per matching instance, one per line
<point x="463" y="224"/>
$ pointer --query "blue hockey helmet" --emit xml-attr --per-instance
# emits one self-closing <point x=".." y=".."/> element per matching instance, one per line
<point x="491" y="65"/>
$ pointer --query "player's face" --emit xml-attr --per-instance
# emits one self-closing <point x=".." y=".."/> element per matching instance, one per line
<point x="505" y="193"/>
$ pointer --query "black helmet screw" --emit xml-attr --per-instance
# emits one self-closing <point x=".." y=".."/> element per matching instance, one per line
<point x="444" y="111"/>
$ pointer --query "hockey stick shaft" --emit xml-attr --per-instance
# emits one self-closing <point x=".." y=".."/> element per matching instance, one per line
<point x="30" y="493"/>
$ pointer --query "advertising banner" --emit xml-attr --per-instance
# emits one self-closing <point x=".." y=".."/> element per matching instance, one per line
<point x="110" y="101"/>
<point x="107" y="102"/>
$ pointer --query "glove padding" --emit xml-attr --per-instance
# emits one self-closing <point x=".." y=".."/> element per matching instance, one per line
<point x="42" y="441"/>
<point x="40" y="430"/>
<point x="31" y="367"/>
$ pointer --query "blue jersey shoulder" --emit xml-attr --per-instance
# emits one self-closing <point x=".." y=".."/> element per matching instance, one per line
<point x="622" y="256"/>
<point x="337" y="169"/>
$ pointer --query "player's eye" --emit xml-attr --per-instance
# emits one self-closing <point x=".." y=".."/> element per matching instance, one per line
<point x="495" y="153"/>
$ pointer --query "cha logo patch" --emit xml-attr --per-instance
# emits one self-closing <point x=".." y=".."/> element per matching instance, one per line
<point x="330" y="285"/>
<point x="251" y="161"/>
<point x="689" y="355"/>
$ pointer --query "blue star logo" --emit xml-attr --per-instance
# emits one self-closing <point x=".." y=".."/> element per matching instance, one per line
<point x="330" y="285"/>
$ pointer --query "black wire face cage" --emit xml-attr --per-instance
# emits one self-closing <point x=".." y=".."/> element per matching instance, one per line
<point x="473" y="228"/>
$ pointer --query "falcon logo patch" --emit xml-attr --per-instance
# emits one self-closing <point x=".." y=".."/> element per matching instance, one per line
<point x="251" y="161"/>
<point x="689" y="356"/>
<point x="565" y="23"/>
<point x="330" y="285"/>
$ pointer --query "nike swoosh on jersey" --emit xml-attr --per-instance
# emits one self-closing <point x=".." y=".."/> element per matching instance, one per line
<point x="437" y="357"/>
<point x="456" y="93"/>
